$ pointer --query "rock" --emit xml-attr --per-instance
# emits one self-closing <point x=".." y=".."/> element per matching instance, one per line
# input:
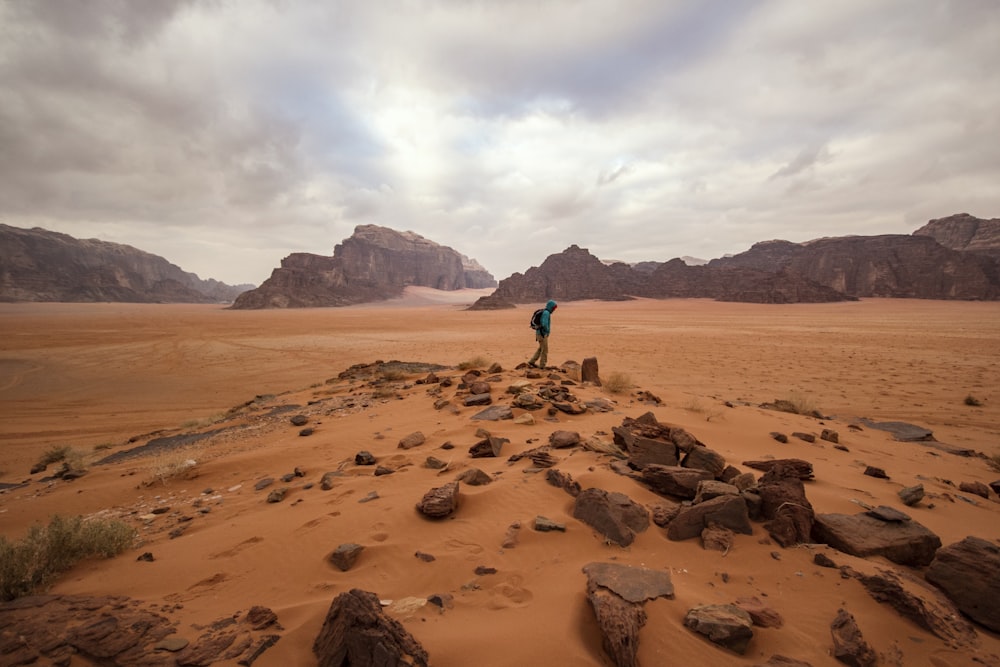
<point x="902" y="431"/>
<point x="306" y="432"/>
<point x="172" y="644"/>
<point x="726" y="511"/>
<point x="619" y="621"/>
<point x="37" y="468"/>
<point x="299" y="420"/>
<point x="761" y="615"/>
<point x="717" y="538"/>
<point x="885" y="513"/>
<point x="806" y="437"/>
<point x="801" y="469"/>
<point x="569" y="407"/>
<point x="703" y="458"/>
<point x="412" y="440"/>
<point x="976" y="488"/>
<point x="674" y="480"/>
<point x="528" y="401"/>
<point x="614" y="515"/>
<point x="562" y="480"/>
<point x="564" y="439"/>
<point x="383" y="470"/>
<point x="783" y="504"/>
<point x="849" y="647"/>
<point x="783" y="661"/>
<point x="474" y="477"/>
<point x="260" y="618"/>
<point x="663" y="514"/>
<point x="488" y="447"/>
<point x="710" y="488"/>
<point x="495" y="413"/>
<point x="439" y="502"/>
<point x="633" y="584"/>
<point x="357" y="632"/>
<point x="483" y="570"/>
<point x="724" y="624"/>
<point x="780" y="437"/>
<point x="263" y="483"/>
<point x="643" y="450"/>
<point x="545" y="525"/>
<point x="995" y="486"/>
<point x="479" y="387"/>
<point x="277" y="495"/>
<point x="942" y="620"/>
<point x="823" y="560"/>
<point x="589" y="372"/>
<point x="969" y="574"/>
<point x="830" y="436"/>
<point x="364" y="458"/>
<point x="744" y="481"/>
<point x="905" y="543"/>
<point x="477" y="399"/>
<point x="427" y="558"/>
<point x="911" y="495"/>
<point x="434" y="463"/>
<point x="878" y="473"/>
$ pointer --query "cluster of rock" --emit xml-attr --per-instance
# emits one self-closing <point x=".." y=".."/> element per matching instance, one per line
<point x="40" y="265"/>
<point x="374" y="264"/>
<point x="966" y="233"/>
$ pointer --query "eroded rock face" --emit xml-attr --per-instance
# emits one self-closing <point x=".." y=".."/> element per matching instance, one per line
<point x="614" y="515"/>
<point x="862" y="535"/>
<point x="374" y="264"/>
<point x="93" y="270"/>
<point x="969" y="574"/>
<point x="356" y="632"/>
<point x="724" y="624"/>
<point x="965" y="232"/>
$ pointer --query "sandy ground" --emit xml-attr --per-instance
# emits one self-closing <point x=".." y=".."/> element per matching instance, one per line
<point x="94" y="376"/>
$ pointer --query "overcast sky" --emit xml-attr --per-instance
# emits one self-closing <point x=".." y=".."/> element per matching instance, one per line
<point x="226" y="134"/>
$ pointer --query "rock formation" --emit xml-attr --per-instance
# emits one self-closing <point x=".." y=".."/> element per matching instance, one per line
<point x="374" y="264"/>
<point x="965" y="232"/>
<point x="39" y="265"/>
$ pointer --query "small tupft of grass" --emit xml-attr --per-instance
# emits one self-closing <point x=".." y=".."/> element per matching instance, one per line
<point x="617" y="382"/>
<point x="31" y="564"/>
<point x="170" y="465"/>
<point x="392" y="374"/>
<point x="972" y="401"/>
<point x="475" y="362"/>
<point x="55" y="454"/>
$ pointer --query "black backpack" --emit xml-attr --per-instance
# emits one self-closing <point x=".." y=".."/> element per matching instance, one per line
<point x="536" y="319"/>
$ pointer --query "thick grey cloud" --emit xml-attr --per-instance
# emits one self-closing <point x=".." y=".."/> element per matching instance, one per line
<point x="225" y="135"/>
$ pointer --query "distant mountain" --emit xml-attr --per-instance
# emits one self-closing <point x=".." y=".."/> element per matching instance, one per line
<point x="965" y="232"/>
<point x="575" y="274"/>
<point x="40" y="265"/>
<point x="373" y="264"/>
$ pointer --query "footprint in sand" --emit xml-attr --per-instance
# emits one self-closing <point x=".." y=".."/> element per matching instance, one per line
<point x="210" y="582"/>
<point x="510" y="594"/>
<point x="380" y="535"/>
<point x="471" y="547"/>
<point x="229" y="553"/>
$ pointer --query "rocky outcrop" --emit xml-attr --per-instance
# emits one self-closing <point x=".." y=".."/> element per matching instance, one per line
<point x="891" y="265"/>
<point x="905" y="542"/>
<point x="39" y="265"/>
<point x="374" y="264"/>
<point x="965" y="232"/>
<point x="357" y="632"/>
<point x="575" y="274"/>
<point x="969" y="574"/>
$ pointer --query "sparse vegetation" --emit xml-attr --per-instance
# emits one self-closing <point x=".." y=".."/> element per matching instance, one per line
<point x="695" y="405"/>
<point x="204" y="421"/>
<point x="55" y="454"/>
<point x="393" y="374"/>
<point x="475" y="362"/>
<point x="172" y="464"/>
<point x="102" y="446"/>
<point x="385" y="392"/>
<point x="30" y="564"/>
<point x="616" y="382"/>
<point x="802" y="404"/>
<point x="972" y="401"/>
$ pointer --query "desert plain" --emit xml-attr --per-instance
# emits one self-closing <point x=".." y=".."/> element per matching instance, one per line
<point x="107" y="378"/>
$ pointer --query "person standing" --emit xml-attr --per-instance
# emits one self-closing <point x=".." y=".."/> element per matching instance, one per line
<point x="542" y="331"/>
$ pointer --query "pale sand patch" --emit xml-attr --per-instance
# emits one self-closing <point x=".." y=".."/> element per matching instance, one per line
<point x="89" y="374"/>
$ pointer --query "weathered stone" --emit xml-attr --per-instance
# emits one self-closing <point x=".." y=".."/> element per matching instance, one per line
<point x="528" y="401"/>
<point x="873" y="471"/>
<point x="277" y="495"/>
<point x="412" y="440"/>
<point x="479" y="387"/>
<point x="724" y="624"/>
<point x="780" y="437"/>
<point x="643" y="451"/>
<point x="941" y="619"/>
<point x="434" y="463"/>
<point x="710" y="488"/>
<point x="564" y="439"/>
<point x="357" y="632"/>
<point x="797" y="467"/>
<point x="562" y="480"/>
<point x="911" y="495"/>
<point x="727" y="511"/>
<point x="488" y="447"/>
<point x="805" y="437"/>
<point x="631" y="583"/>
<point x="546" y="525"/>
<point x="886" y="513"/>
<point x="589" y="372"/>
<point x="440" y="501"/>
<point x="905" y="543"/>
<point x="495" y="413"/>
<point x="474" y="477"/>
<point x="830" y="436"/>
<point x="663" y="514"/>
<point x="762" y="615"/>
<point x="902" y="431"/>
<point x="620" y="622"/>
<point x="783" y="661"/>
<point x="383" y="470"/>
<point x="784" y="505"/>
<point x="477" y="399"/>
<point x="744" y="481"/>
<point x="674" y="480"/>
<point x="345" y="555"/>
<point x="263" y="483"/>
<point x="976" y="488"/>
<point x="299" y="420"/>
<point x="364" y="458"/>
<point x="569" y="407"/>
<point x="969" y="574"/>
<point x="703" y="458"/>
<point x="717" y="538"/>
<point x="849" y="646"/>
<point x="614" y="515"/>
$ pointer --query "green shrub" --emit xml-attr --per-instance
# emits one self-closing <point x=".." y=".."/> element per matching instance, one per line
<point x="31" y="564"/>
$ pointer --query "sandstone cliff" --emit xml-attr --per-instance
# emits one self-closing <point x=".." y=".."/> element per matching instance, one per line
<point x="40" y="265"/>
<point x="575" y="274"/>
<point x="373" y="264"/>
<point x="965" y="232"/>
<point x="891" y="265"/>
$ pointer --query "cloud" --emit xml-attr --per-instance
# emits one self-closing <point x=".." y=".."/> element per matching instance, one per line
<point x="224" y="136"/>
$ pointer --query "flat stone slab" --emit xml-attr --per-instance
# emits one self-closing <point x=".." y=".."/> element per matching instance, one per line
<point x="634" y="584"/>
<point x="902" y="431"/>
<point x="902" y="542"/>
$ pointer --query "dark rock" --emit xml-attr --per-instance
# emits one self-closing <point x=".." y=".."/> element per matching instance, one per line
<point x="976" y="488"/>
<point x="849" y="647"/>
<point x="306" y="432"/>
<point x="662" y="514"/>
<point x="780" y="437"/>
<point x="674" y="480"/>
<point x="260" y="618"/>
<point x="477" y="399"/>
<point x="488" y="447"/>
<point x="483" y="570"/>
<point x="643" y="450"/>
<point x="474" y="477"/>
<point x="589" y="372"/>
<point x="619" y="621"/>
<point x="724" y="624"/>
<point x="277" y="495"/>
<point x="562" y="480"/>
<point x="823" y="560"/>
<point x="727" y="511"/>
<point x="710" y="488"/>
<point x="830" y="436"/>
<point x="995" y="486"/>
<point x="495" y="413"/>
<point x="358" y="633"/>
<point x="911" y="495"/>
<point x="784" y="505"/>
<point x="614" y="515"/>
<point x="479" y="387"/>
<point x="299" y="420"/>
<point x="717" y="538"/>
<point x="885" y="513"/>
<point x="37" y="468"/>
<point x="383" y="470"/>
<point x="761" y="615"/>
<point x="434" y="463"/>
<point x="969" y="574"/>
<point x="902" y="431"/>
<point x="146" y="556"/>
<point x="801" y="469"/>
<point x="563" y="439"/>
<point x="327" y="480"/>
<point x="703" y="458"/>
<point x="412" y="440"/>
<point x="807" y="437"/>
<point x="442" y="600"/>
<point x="633" y="584"/>
<point x="905" y="543"/>
<point x="263" y="483"/>
<point x="941" y="620"/>
<point x="364" y="458"/>
<point x="965" y="232"/>
<point x="569" y="407"/>
<point x="439" y="502"/>
<point x="878" y="473"/>
<point x="528" y="401"/>
<point x="427" y="558"/>
<point x="545" y="525"/>
<point x="783" y="661"/>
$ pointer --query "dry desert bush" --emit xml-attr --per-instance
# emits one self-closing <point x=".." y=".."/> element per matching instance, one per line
<point x="616" y="382"/>
<point x="474" y="362"/>
<point x="177" y="463"/>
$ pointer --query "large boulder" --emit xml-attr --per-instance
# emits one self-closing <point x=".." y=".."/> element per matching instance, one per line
<point x="784" y="506"/>
<point x="357" y="632"/>
<point x="863" y="535"/>
<point x="724" y="624"/>
<point x="969" y="574"/>
<point x="849" y="646"/>
<point x="726" y="511"/>
<point x="614" y="515"/>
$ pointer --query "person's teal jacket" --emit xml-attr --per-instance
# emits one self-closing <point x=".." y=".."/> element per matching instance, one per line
<point x="546" y="319"/>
